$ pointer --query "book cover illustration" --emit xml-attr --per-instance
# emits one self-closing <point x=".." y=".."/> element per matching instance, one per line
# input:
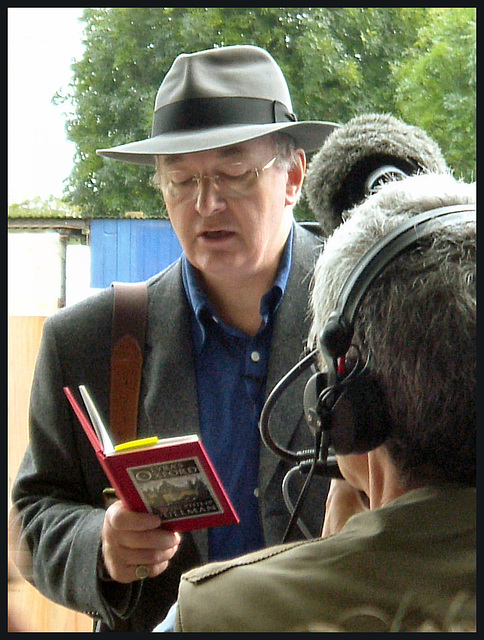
<point x="175" y="490"/>
<point x="171" y="477"/>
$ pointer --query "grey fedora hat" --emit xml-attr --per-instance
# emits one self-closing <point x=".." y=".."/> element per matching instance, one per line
<point x="217" y="98"/>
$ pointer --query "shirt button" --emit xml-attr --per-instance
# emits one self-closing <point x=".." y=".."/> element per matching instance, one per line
<point x="255" y="356"/>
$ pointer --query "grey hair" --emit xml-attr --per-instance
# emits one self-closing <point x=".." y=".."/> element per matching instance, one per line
<point x="418" y="320"/>
<point x="285" y="147"/>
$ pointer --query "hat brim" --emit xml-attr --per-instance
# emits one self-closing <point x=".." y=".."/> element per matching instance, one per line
<point x="308" y="135"/>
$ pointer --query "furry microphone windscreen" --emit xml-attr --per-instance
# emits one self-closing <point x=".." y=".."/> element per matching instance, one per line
<point x="337" y="176"/>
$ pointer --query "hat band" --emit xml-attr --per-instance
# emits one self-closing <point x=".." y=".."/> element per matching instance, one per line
<point x="202" y="113"/>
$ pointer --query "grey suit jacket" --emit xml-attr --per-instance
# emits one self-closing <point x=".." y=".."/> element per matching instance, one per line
<point x="58" y="490"/>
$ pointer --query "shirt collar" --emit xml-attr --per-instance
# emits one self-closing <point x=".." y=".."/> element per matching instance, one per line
<point x="203" y="308"/>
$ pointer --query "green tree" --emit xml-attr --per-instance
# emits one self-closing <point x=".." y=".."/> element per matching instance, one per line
<point x="437" y="85"/>
<point x="127" y="51"/>
<point x="372" y="38"/>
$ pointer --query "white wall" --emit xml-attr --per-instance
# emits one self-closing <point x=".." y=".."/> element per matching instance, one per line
<point x="78" y="273"/>
<point x="34" y="273"/>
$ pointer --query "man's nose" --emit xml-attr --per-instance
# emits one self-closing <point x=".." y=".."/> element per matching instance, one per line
<point x="208" y="200"/>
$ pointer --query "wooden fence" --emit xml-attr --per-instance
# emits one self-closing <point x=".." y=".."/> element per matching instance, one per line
<point x="28" y="609"/>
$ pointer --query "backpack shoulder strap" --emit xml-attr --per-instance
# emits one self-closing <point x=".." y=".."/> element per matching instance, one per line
<point x="128" y="337"/>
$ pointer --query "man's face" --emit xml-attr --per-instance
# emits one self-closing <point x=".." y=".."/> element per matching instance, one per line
<point x="232" y="227"/>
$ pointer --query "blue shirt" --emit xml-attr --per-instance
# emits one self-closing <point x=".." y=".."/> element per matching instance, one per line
<point x="231" y="370"/>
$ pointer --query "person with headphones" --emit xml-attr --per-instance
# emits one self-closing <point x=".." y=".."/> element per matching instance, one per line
<point x="394" y="395"/>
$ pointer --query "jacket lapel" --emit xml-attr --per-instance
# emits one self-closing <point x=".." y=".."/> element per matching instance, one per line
<point x="289" y="341"/>
<point x="169" y="386"/>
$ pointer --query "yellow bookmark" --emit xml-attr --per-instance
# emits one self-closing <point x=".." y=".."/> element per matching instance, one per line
<point x="135" y="444"/>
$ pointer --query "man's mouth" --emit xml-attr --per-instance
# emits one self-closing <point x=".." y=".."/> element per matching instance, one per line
<point x="217" y="235"/>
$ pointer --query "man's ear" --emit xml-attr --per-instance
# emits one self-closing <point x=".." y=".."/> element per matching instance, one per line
<point x="295" y="178"/>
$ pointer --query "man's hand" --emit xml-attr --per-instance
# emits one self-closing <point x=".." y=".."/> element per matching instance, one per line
<point x="130" y="539"/>
<point x="343" y="501"/>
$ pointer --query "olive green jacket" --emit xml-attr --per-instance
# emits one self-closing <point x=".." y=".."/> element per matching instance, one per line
<point x="406" y="563"/>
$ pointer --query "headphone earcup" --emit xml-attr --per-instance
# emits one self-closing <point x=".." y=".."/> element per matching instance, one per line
<point x="359" y="418"/>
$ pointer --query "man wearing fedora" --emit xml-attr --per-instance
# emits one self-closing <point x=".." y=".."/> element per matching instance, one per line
<point x="224" y="322"/>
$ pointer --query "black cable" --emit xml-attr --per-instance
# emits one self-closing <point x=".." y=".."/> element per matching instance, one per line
<point x="287" y="500"/>
<point x="302" y="496"/>
<point x="273" y="397"/>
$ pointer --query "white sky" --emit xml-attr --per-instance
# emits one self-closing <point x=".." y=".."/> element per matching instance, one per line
<point x="42" y="43"/>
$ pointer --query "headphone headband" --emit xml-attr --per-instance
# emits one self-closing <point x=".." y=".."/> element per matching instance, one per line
<point x="335" y="339"/>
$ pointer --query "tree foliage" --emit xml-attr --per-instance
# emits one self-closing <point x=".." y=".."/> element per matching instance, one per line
<point x="436" y="85"/>
<point x="338" y="62"/>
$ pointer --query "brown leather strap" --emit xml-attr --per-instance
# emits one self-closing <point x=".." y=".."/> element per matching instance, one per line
<point x="128" y="335"/>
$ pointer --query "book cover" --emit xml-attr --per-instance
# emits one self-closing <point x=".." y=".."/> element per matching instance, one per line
<point x="171" y="477"/>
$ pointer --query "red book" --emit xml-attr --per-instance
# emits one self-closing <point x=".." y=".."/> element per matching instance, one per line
<point x="172" y="477"/>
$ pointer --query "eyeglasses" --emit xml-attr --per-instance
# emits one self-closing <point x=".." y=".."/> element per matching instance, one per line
<point x="233" y="182"/>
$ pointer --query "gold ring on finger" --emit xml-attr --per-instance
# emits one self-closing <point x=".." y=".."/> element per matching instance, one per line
<point x="142" y="571"/>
